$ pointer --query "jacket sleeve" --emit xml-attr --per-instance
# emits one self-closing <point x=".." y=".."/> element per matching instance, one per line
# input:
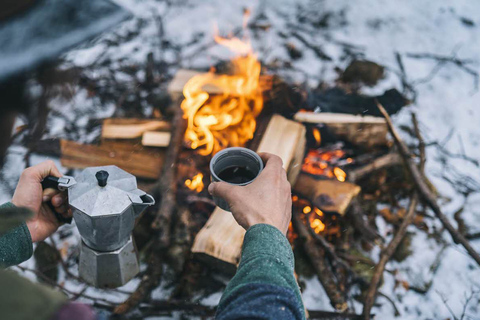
<point x="264" y="286"/>
<point x="16" y="244"/>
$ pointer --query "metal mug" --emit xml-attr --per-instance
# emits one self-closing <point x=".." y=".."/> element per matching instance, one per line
<point x="233" y="159"/>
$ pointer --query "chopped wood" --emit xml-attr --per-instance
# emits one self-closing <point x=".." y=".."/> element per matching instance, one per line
<point x="175" y="88"/>
<point x="156" y="139"/>
<point x="222" y="238"/>
<point x="385" y="256"/>
<point x="389" y="160"/>
<point x="328" y="195"/>
<point x="119" y="128"/>
<point x="130" y="157"/>
<point x="362" y="131"/>
<point x="424" y="190"/>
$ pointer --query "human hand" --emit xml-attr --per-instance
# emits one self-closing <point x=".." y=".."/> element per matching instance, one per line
<point x="29" y="194"/>
<point x="266" y="200"/>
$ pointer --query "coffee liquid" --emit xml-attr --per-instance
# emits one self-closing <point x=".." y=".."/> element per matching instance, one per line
<point x="237" y="174"/>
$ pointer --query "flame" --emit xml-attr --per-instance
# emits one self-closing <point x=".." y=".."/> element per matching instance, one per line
<point x="196" y="183"/>
<point x="317" y="136"/>
<point x="218" y="121"/>
<point x="307" y="209"/>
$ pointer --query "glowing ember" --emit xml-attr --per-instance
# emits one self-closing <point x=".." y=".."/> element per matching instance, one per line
<point x="307" y="209"/>
<point x="339" y="174"/>
<point x="196" y="183"/>
<point x="319" y="212"/>
<point x="224" y="120"/>
<point x="317" y="225"/>
<point x="317" y="162"/>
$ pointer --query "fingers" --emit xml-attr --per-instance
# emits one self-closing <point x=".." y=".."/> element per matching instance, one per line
<point x="271" y="160"/>
<point x="223" y="190"/>
<point x="42" y="170"/>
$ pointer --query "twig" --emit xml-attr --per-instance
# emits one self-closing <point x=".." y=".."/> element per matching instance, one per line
<point x="150" y="281"/>
<point x="167" y="186"/>
<point x="421" y="142"/>
<point x="397" y="312"/>
<point x="388" y="160"/>
<point x="385" y="256"/>
<point x="423" y="189"/>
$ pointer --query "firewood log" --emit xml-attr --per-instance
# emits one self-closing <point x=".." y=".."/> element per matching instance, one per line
<point x="118" y="128"/>
<point x="361" y="131"/>
<point x="222" y="238"/>
<point x="328" y="195"/>
<point x="128" y="156"/>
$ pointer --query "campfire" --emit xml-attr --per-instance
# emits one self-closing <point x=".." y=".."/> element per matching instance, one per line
<point x="340" y="164"/>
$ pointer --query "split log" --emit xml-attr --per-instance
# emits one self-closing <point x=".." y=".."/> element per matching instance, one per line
<point x="130" y="157"/>
<point x="175" y="88"/>
<point x="385" y="256"/>
<point x="389" y="160"/>
<point x="156" y="139"/>
<point x="330" y="196"/>
<point x="119" y="128"/>
<point x="362" y="131"/>
<point x="221" y="238"/>
<point x="424" y="190"/>
<point x="316" y="255"/>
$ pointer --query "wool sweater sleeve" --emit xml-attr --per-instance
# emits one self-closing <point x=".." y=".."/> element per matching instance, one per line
<point x="16" y="244"/>
<point x="264" y="286"/>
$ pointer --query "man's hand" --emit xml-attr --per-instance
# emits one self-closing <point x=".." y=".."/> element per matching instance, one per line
<point x="266" y="200"/>
<point x="29" y="194"/>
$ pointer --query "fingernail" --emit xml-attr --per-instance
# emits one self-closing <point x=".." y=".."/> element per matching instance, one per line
<point x="45" y="198"/>
<point x="59" y="201"/>
<point x="210" y="188"/>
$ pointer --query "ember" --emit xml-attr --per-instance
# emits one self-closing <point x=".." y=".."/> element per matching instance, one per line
<point x="224" y="120"/>
<point x="320" y="162"/>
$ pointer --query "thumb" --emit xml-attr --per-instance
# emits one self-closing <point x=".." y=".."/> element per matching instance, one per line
<point x="222" y="190"/>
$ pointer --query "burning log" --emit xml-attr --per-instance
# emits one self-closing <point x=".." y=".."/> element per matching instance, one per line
<point x="128" y="156"/>
<point x="222" y="238"/>
<point x="176" y="86"/>
<point x="362" y="131"/>
<point x="119" y="128"/>
<point x="331" y="196"/>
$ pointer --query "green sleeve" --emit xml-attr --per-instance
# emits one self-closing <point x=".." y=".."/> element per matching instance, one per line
<point x="267" y="258"/>
<point x="16" y="244"/>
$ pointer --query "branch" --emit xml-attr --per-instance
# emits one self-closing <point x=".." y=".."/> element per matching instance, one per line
<point x="423" y="189"/>
<point x="316" y="254"/>
<point x="385" y="256"/>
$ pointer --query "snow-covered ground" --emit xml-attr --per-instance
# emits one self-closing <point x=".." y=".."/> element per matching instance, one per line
<point x="447" y="104"/>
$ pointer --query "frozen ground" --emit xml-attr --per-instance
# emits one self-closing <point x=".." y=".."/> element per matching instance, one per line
<point x="447" y="103"/>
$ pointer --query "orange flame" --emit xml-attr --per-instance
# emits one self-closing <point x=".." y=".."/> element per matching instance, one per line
<point x="196" y="183"/>
<point x="228" y="119"/>
<point x="339" y="174"/>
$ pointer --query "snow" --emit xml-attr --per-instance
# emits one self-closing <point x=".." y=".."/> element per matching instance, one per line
<point x="447" y="104"/>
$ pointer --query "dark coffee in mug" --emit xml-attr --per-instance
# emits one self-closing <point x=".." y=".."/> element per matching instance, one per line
<point x="237" y="174"/>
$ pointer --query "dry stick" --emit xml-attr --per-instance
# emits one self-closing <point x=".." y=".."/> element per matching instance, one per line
<point x="316" y="254"/>
<point x="167" y="186"/>
<point x="150" y="281"/>
<point x="423" y="189"/>
<point x="161" y="224"/>
<point x="389" y="160"/>
<point x="385" y="256"/>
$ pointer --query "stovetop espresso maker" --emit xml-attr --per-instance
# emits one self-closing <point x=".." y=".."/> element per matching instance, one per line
<point x="105" y="202"/>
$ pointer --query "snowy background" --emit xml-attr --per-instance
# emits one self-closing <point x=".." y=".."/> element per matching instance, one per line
<point x="329" y="34"/>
